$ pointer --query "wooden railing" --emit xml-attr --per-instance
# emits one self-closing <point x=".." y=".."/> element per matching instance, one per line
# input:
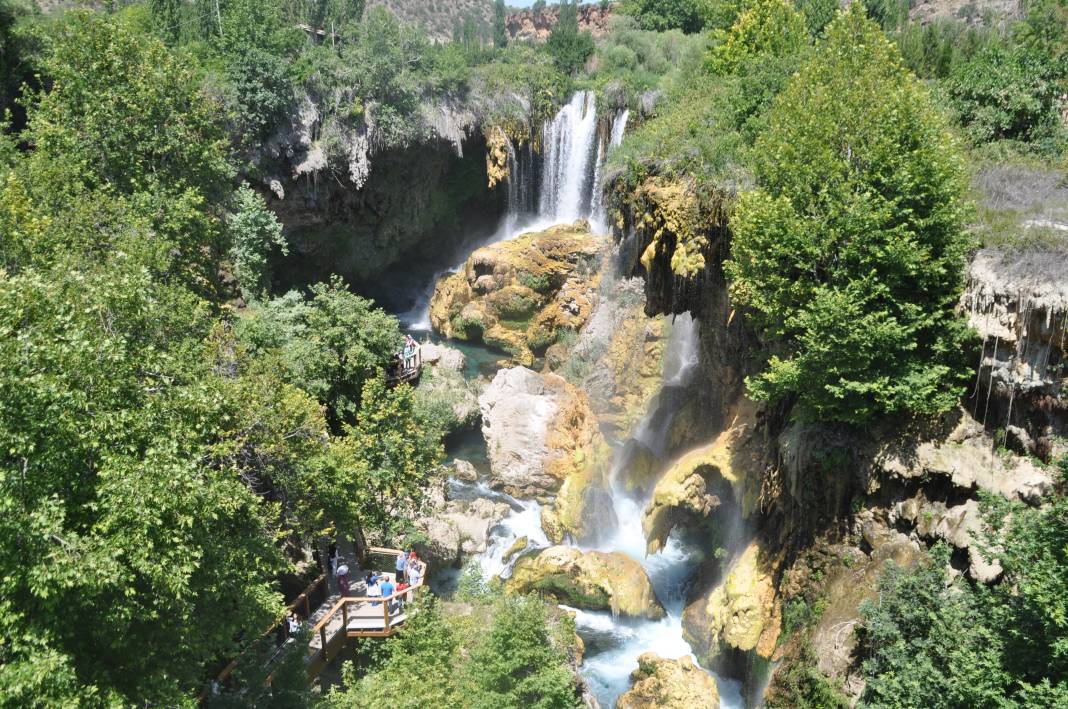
<point x="329" y="647"/>
<point x="303" y="601"/>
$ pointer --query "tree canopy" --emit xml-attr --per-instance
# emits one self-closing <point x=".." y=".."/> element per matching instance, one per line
<point x="850" y="251"/>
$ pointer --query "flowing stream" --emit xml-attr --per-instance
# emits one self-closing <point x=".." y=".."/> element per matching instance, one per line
<point x="563" y="187"/>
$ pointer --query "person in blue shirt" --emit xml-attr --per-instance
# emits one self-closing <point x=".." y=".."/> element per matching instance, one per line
<point x="387" y="590"/>
<point x="402" y="566"/>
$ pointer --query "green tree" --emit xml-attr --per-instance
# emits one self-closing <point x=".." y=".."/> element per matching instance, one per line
<point x="115" y="510"/>
<point x="519" y="663"/>
<point x="818" y="14"/>
<point x="254" y="231"/>
<point x="849" y="255"/>
<point x="663" y="15"/>
<point x="927" y="642"/>
<point x="167" y="18"/>
<point x="20" y="54"/>
<point x="427" y="648"/>
<point x="569" y="47"/>
<point x="1006" y="94"/>
<point x="500" y="30"/>
<point x="124" y="114"/>
<point x="767" y="27"/>
<point x="331" y="343"/>
<point x="396" y="453"/>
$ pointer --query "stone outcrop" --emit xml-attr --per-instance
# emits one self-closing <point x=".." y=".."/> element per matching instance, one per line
<point x="591" y="580"/>
<point x="841" y="576"/>
<point x="726" y="470"/>
<point x="741" y="616"/>
<point x="458" y="528"/>
<point x="965" y="458"/>
<point x="669" y="684"/>
<point x="543" y="438"/>
<point x="520" y="295"/>
<point x="960" y="525"/>
<point x="537" y="25"/>
<point x="1018" y="302"/>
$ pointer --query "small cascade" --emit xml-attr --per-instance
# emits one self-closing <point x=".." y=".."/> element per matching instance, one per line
<point x="615" y="137"/>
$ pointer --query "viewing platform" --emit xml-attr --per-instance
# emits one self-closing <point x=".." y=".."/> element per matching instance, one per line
<point x="335" y="622"/>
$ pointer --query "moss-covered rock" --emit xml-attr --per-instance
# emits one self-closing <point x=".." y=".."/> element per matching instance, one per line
<point x="520" y="296"/>
<point x="741" y="616"/>
<point x="698" y="482"/>
<point x="592" y="580"/>
<point x="669" y="684"/>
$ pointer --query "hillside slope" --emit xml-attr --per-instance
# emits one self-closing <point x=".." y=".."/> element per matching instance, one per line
<point x="438" y="17"/>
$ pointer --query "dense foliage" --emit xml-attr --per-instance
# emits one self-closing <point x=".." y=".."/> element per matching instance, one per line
<point x="850" y="252"/>
<point x="938" y="644"/>
<point x="504" y="653"/>
<point x="155" y="449"/>
<point x="570" y="47"/>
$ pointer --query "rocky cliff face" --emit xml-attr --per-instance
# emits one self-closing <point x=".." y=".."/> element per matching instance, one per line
<point x="536" y="26"/>
<point x="825" y="505"/>
<point x="1018" y="303"/>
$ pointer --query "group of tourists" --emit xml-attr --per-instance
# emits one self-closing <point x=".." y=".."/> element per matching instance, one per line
<point x="410" y="572"/>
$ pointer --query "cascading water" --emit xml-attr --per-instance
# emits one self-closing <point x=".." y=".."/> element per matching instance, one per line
<point x="615" y="137"/>
<point x="570" y="144"/>
<point x="614" y="644"/>
<point x="569" y="189"/>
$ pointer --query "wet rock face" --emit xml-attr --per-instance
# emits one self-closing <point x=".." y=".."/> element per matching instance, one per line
<point x="520" y="296"/>
<point x="740" y="616"/>
<point x="1018" y="302"/>
<point x="591" y="580"/>
<point x="725" y="472"/>
<point x="669" y="684"/>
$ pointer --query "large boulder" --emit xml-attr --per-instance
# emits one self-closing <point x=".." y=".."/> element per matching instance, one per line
<point x="669" y="684"/>
<point x="520" y="295"/>
<point x="960" y="525"/>
<point x="592" y="580"/>
<point x="741" y="616"/>
<point x="543" y="438"/>
<point x="728" y="469"/>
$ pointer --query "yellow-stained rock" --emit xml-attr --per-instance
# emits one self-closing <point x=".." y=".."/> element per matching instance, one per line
<point x="741" y="614"/>
<point x="496" y="156"/>
<point x="669" y="684"/>
<point x="673" y="210"/>
<point x="591" y="580"/>
<point x="520" y="295"/>
<point x="635" y="356"/>
<point x="694" y="485"/>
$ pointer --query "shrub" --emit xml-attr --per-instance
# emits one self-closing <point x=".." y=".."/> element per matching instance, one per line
<point x="1005" y="93"/>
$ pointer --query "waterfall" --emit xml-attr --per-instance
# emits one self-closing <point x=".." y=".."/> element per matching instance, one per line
<point x="570" y="142"/>
<point x="615" y="137"/>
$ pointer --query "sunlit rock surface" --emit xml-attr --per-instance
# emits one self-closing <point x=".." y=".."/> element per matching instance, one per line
<point x="592" y="580"/>
<point x="542" y="438"/>
<point x="669" y="684"/>
<point x="742" y="614"/>
<point x="520" y="296"/>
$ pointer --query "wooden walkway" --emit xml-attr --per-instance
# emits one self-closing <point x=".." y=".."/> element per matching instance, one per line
<point x="338" y="620"/>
